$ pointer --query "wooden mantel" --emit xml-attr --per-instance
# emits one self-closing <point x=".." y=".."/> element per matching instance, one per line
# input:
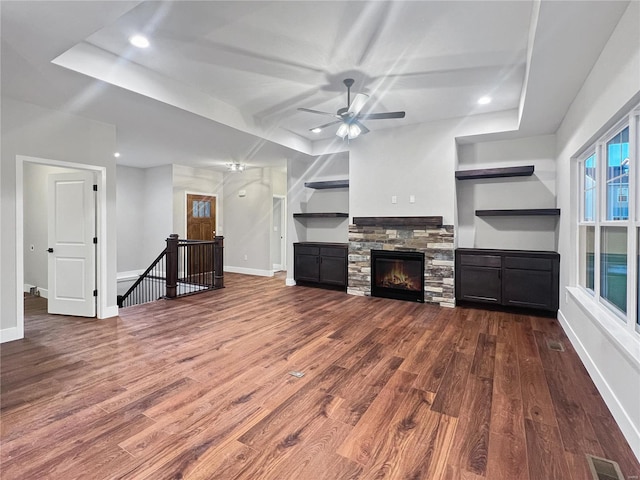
<point x="434" y="221"/>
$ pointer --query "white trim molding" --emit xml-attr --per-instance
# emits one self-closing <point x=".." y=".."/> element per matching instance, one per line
<point x="129" y="275"/>
<point x="44" y="293"/>
<point x="249" y="271"/>
<point x="11" y="334"/>
<point x="611" y="355"/>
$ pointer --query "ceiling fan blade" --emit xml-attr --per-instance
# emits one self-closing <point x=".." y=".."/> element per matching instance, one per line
<point x="381" y="116"/>
<point x="326" y="125"/>
<point x="308" y="110"/>
<point x="358" y="102"/>
<point x="362" y="127"/>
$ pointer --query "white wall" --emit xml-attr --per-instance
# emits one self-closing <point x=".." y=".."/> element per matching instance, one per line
<point x="35" y="202"/>
<point x="196" y="180"/>
<point x="34" y="131"/>
<point x="247" y="224"/>
<point x="279" y="180"/>
<point x="130" y="201"/>
<point x="158" y="211"/>
<point x="609" y="349"/>
<point x="536" y="191"/>
<point x="414" y="160"/>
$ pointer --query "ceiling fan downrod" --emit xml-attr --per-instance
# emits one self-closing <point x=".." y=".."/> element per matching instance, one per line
<point x="348" y="83"/>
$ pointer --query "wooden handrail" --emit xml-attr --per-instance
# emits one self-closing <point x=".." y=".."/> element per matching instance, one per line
<point x="174" y="253"/>
<point x="122" y="298"/>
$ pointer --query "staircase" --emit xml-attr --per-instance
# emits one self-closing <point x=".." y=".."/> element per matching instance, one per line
<point x="184" y="267"/>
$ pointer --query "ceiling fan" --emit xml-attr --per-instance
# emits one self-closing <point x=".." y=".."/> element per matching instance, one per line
<point x="349" y="117"/>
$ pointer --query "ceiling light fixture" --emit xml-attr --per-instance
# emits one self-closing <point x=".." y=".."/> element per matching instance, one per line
<point x="139" y="41"/>
<point x="236" y="167"/>
<point x="349" y="130"/>
<point x="316" y="130"/>
<point x="117" y="154"/>
<point x="484" y="100"/>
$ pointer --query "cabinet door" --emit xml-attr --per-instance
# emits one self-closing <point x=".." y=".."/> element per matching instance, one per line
<point x="333" y="270"/>
<point x="480" y="284"/>
<point x="529" y="288"/>
<point x="306" y="268"/>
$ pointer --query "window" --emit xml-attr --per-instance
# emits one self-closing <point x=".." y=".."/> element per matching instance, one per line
<point x="609" y="220"/>
<point x="613" y="266"/>
<point x="201" y="209"/>
<point x="617" y="153"/>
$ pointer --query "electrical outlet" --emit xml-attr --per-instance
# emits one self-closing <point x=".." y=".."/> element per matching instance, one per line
<point x="394" y="199"/>
<point x="412" y="199"/>
<point x="246" y="257"/>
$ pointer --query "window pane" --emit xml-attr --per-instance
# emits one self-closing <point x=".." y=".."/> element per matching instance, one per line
<point x="613" y="266"/>
<point x="195" y="209"/>
<point x="589" y="188"/>
<point x="587" y="249"/>
<point x="618" y="176"/>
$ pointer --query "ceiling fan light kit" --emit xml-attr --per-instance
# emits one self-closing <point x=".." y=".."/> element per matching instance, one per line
<point x="236" y="167"/>
<point x="349" y="117"/>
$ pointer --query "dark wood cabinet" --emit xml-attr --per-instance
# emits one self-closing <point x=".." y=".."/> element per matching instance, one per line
<point x="320" y="264"/>
<point x="515" y="278"/>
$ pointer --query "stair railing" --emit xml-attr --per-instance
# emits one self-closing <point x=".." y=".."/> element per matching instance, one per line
<point x="184" y="267"/>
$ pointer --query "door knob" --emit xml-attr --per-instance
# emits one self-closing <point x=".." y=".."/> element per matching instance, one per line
<point x="50" y="250"/>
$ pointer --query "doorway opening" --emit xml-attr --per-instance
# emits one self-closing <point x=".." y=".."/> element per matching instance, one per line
<point x="99" y="175"/>
<point x="278" y="233"/>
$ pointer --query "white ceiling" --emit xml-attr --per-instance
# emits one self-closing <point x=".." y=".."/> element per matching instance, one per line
<point x="222" y="81"/>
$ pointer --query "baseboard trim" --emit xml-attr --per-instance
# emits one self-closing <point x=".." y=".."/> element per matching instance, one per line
<point x="618" y="411"/>
<point x="109" y="311"/>
<point x="11" y="334"/>
<point x="44" y="293"/>
<point x="290" y="282"/>
<point x="130" y="275"/>
<point x="249" y="271"/>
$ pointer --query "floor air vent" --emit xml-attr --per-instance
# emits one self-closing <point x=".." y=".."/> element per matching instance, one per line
<point x="603" y="469"/>
<point x="555" y="345"/>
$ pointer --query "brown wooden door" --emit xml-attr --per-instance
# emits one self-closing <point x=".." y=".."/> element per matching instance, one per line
<point x="201" y="217"/>
<point x="201" y="225"/>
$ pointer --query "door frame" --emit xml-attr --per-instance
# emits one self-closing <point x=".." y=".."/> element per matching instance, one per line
<point x="102" y="310"/>
<point x="186" y="209"/>
<point x="283" y="231"/>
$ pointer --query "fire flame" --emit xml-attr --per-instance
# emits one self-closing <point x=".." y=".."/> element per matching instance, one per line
<point x="396" y="277"/>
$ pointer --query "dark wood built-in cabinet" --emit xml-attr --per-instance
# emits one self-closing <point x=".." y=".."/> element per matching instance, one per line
<point x="320" y="264"/>
<point x="513" y="278"/>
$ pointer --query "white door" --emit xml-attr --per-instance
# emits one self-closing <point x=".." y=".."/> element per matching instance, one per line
<point x="72" y="257"/>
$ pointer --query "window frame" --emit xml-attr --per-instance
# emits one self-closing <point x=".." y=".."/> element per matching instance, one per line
<point x="631" y="224"/>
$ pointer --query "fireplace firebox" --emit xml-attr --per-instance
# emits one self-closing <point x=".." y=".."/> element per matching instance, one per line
<point x="397" y="274"/>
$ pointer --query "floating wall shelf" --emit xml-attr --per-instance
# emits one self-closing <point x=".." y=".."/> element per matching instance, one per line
<point x="327" y="184"/>
<point x="519" y="212"/>
<point x="434" y="221"/>
<point x="522" y="171"/>
<point x="320" y="215"/>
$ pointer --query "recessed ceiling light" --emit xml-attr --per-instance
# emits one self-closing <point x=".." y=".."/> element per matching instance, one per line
<point x="117" y="154"/>
<point x="316" y="130"/>
<point x="139" y="41"/>
<point x="484" y="100"/>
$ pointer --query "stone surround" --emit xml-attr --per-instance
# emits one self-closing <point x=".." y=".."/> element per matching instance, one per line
<point x="435" y="242"/>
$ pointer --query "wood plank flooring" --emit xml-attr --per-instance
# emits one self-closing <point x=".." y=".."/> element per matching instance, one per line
<point x="199" y="388"/>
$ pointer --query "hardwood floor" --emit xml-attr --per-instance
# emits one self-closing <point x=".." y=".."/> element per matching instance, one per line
<point x="199" y="388"/>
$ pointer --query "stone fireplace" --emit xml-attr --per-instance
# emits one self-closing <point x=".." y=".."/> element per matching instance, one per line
<point x="426" y="235"/>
